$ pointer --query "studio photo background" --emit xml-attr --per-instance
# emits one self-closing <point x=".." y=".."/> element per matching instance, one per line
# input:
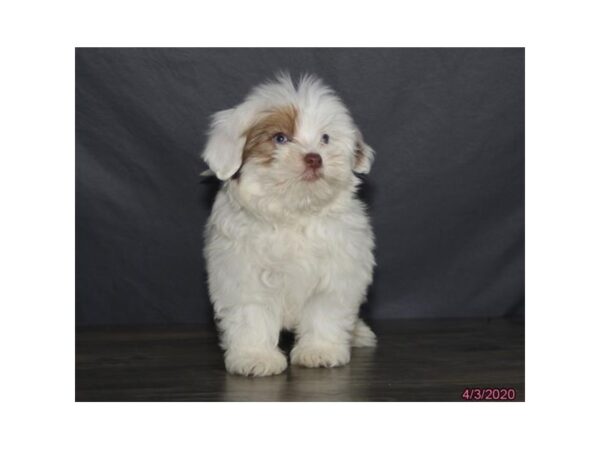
<point x="445" y="194"/>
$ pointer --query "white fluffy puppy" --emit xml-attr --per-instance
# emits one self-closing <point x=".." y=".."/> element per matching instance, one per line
<point x="288" y="245"/>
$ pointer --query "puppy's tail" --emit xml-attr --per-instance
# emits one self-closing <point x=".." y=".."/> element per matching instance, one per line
<point x="363" y="336"/>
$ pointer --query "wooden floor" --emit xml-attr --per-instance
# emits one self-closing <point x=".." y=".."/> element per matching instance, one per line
<point x="415" y="360"/>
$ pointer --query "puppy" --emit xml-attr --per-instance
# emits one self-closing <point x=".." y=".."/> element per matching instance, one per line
<point x="288" y="244"/>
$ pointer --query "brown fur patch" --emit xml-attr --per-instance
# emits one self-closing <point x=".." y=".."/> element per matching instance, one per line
<point x="259" y="137"/>
<point x="359" y="154"/>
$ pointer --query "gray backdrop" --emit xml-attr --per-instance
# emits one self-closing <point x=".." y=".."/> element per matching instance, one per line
<point x="445" y="193"/>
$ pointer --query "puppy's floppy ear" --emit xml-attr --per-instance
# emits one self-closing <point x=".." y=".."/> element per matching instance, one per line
<point x="223" y="151"/>
<point x="363" y="154"/>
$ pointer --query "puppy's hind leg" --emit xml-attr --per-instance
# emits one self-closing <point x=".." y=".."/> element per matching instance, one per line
<point x="362" y="335"/>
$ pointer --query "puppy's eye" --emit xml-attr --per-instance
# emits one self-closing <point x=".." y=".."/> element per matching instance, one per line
<point x="325" y="139"/>
<point x="281" y="138"/>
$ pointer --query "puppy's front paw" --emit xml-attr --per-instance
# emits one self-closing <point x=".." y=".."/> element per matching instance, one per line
<point x="258" y="363"/>
<point x="320" y="355"/>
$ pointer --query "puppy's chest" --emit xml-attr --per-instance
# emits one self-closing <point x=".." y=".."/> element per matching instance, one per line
<point x="296" y="261"/>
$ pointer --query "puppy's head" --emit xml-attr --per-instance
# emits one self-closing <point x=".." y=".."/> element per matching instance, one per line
<point x="287" y="147"/>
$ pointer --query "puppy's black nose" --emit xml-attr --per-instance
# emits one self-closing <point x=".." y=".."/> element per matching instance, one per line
<point x="313" y="160"/>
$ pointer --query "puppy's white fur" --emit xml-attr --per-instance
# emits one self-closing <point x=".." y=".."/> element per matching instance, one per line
<point x="283" y="250"/>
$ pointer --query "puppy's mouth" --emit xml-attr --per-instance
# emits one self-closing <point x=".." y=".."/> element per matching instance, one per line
<point x="311" y="175"/>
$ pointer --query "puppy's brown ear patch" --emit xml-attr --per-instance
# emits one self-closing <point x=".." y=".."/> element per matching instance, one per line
<point x="363" y="155"/>
<point x="259" y="137"/>
<point x="359" y="154"/>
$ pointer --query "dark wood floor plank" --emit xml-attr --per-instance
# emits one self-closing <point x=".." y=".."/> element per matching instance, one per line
<point x="415" y="360"/>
